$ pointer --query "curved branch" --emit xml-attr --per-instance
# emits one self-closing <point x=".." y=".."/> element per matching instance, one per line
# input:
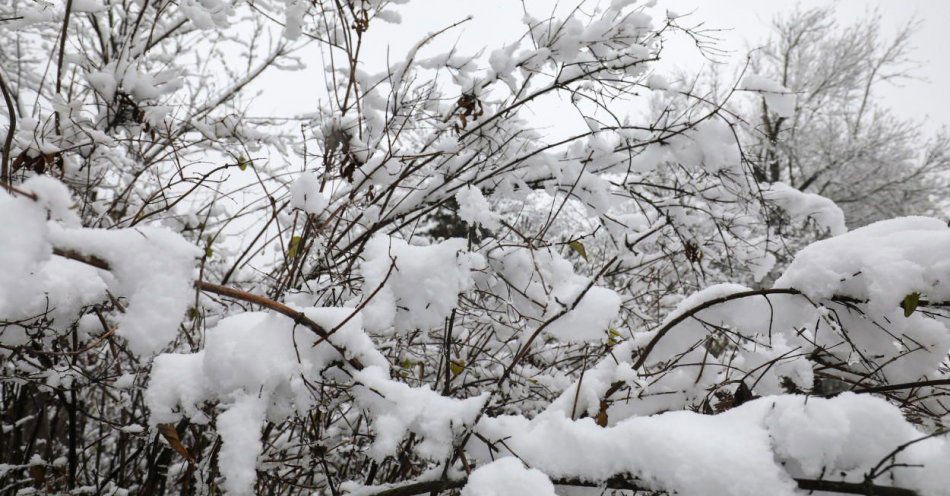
<point x="642" y="357"/>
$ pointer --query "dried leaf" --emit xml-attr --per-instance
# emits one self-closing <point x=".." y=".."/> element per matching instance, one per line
<point x="38" y="473"/>
<point x="171" y="435"/>
<point x="742" y="395"/>
<point x="601" y="418"/>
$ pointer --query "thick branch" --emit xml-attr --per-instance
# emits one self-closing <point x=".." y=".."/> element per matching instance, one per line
<point x="620" y="483"/>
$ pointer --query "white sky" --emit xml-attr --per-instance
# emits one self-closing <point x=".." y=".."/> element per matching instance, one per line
<point x="497" y="22"/>
<point x="927" y="98"/>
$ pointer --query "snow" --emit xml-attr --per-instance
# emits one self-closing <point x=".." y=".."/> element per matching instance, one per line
<point x="399" y="409"/>
<point x="305" y="194"/>
<point x="589" y="319"/>
<point x="240" y="430"/>
<point x="389" y="16"/>
<point x="507" y="477"/>
<point x="778" y="98"/>
<point x="253" y="352"/>
<point x="658" y="82"/>
<point x="547" y="286"/>
<point x="22" y="229"/>
<point x="34" y="282"/>
<point x="800" y="206"/>
<point x="474" y="208"/>
<point x="710" y="146"/>
<point x="881" y="262"/>
<point x="153" y="267"/>
<point x="88" y="6"/>
<point x="753" y="449"/>
<point x="254" y="363"/>
<point x="294" y="17"/>
<point x="560" y="364"/>
<point x="422" y="288"/>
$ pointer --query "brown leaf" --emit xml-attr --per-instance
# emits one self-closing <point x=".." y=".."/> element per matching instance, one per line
<point x="171" y="435"/>
<point x="601" y="418"/>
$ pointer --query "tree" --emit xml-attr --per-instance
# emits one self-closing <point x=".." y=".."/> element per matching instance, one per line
<point x="841" y="143"/>
<point x="182" y="314"/>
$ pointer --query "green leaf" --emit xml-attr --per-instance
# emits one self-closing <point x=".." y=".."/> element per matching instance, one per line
<point x="910" y="303"/>
<point x="613" y="336"/>
<point x="208" y="251"/>
<point x="294" y="247"/>
<point x="579" y="248"/>
<point x="406" y="363"/>
<point x="243" y="162"/>
<point x="456" y="366"/>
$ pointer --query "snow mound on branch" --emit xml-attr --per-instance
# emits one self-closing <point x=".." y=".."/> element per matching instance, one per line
<point x="778" y="98"/>
<point x="507" y="477"/>
<point x="800" y="206"/>
<point x="879" y="266"/>
<point x="399" y="409"/>
<point x="474" y="208"/>
<point x="757" y="448"/>
<point x="305" y="194"/>
<point x="153" y="267"/>
<point x="206" y="14"/>
<point x="882" y="263"/>
<point x="589" y="319"/>
<point x="294" y="16"/>
<point x="423" y="286"/>
<point x="257" y="364"/>
<point x="710" y="145"/>
<point x="25" y="249"/>
<point x="253" y="352"/>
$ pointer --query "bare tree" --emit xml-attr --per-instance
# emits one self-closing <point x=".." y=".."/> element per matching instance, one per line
<point x="842" y="143"/>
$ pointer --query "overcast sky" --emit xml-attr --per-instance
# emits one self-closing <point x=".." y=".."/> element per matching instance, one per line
<point x="496" y="22"/>
<point x="927" y="98"/>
